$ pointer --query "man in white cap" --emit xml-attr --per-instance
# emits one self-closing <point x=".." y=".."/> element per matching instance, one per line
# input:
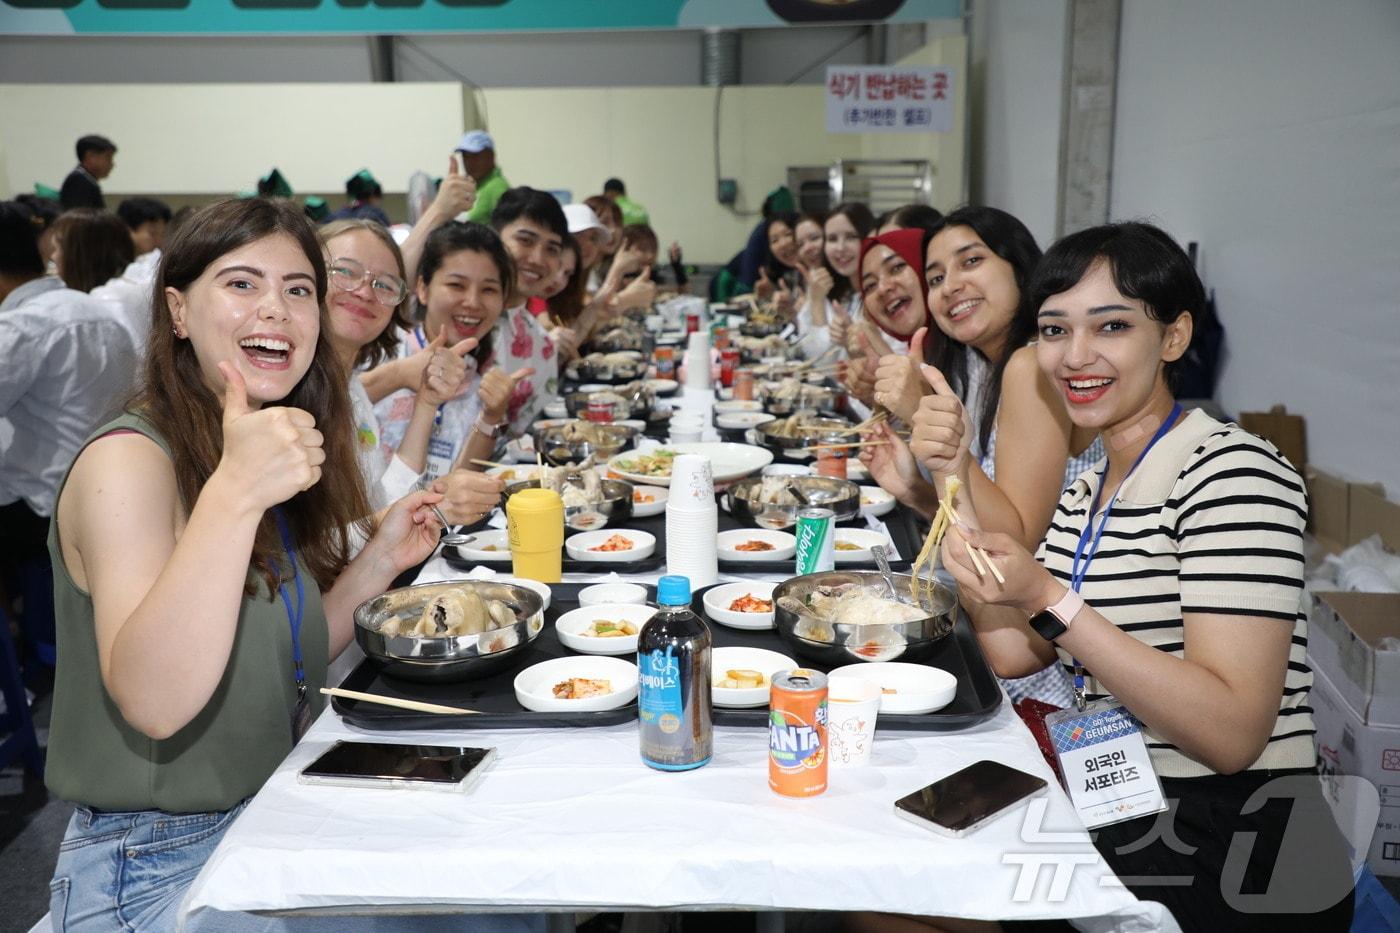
<point x="589" y="231"/>
<point x="478" y="151"/>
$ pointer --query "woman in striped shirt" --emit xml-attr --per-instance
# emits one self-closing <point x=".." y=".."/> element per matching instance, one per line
<point x="1192" y="569"/>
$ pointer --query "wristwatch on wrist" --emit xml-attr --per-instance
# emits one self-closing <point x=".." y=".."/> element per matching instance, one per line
<point x="1052" y="621"/>
<point x="489" y="430"/>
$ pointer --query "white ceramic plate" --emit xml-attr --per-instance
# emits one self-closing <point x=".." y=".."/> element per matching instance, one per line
<point x="737" y="404"/>
<point x="579" y="546"/>
<point x="729" y="461"/>
<point x="789" y="469"/>
<point x="556" y="409"/>
<point x="863" y="538"/>
<point x="514" y="474"/>
<point x="765" y="662"/>
<point x="663" y="386"/>
<point x="638" y="479"/>
<point x="875" y="502"/>
<point x="784" y="545"/>
<point x="918" y="688"/>
<point x="657" y="505"/>
<point x="480" y="540"/>
<point x="520" y="450"/>
<point x="718" y="598"/>
<point x="600" y="593"/>
<point x="541" y="588"/>
<point x="572" y="626"/>
<point x="740" y="420"/>
<point x="534" y="686"/>
<point x="856" y="471"/>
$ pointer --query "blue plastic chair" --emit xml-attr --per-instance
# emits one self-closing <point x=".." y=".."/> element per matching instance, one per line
<point x="22" y="743"/>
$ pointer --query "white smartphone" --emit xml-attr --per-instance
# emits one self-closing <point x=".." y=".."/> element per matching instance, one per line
<point x="415" y="767"/>
<point x="967" y="799"/>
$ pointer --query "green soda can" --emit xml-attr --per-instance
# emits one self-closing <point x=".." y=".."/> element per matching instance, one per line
<point x="816" y="541"/>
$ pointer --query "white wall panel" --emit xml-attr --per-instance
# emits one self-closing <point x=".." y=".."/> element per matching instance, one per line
<point x="1018" y="57"/>
<point x="1269" y="132"/>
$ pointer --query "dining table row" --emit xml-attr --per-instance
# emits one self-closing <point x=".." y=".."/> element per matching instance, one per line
<point x="697" y="661"/>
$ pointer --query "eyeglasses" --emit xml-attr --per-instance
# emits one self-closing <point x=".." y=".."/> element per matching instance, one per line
<point x="348" y="275"/>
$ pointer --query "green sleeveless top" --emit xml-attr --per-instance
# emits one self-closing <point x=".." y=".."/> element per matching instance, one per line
<point x="220" y="757"/>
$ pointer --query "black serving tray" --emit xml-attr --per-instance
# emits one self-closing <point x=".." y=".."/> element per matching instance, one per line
<point x="900" y="522"/>
<point x="977" y="698"/>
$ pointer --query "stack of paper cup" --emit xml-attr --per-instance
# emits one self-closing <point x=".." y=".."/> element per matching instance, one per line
<point x="692" y="521"/>
<point x="697" y="361"/>
<point x="687" y="427"/>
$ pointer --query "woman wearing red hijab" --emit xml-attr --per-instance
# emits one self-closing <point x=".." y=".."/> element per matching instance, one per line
<point x="892" y="292"/>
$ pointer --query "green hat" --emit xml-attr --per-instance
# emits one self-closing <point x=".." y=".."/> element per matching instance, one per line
<point x="273" y="185"/>
<point x="44" y="191"/>
<point x="781" y="200"/>
<point x="317" y="209"/>
<point x="362" y="185"/>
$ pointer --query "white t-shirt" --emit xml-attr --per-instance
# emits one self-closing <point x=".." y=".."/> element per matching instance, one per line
<point x="387" y="477"/>
<point x="452" y="426"/>
<point x="70" y="363"/>
<point x="129" y="295"/>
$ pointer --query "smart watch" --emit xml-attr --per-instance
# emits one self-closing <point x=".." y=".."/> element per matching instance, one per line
<point x="1052" y="621"/>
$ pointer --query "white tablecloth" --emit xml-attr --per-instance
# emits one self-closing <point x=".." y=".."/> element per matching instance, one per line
<point x="573" y="819"/>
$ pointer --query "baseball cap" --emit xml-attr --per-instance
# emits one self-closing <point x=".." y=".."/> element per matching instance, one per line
<point x="476" y="141"/>
<point x="581" y="217"/>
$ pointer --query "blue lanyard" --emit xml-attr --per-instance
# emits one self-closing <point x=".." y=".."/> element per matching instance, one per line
<point x="293" y="617"/>
<point x="1090" y="537"/>
<point x="423" y="342"/>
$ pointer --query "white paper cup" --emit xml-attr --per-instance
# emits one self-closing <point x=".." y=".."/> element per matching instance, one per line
<point x="680" y="435"/>
<point x="852" y="706"/>
<point x="692" y="483"/>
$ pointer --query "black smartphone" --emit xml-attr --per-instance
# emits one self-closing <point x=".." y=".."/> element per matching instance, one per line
<point x="376" y="764"/>
<point x="964" y="800"/>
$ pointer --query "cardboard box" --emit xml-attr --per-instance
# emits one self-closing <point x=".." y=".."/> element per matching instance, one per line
<point x="1341" y="513"/>
<point x="1346" y="745"/>
<point x="1289" y="433"/>
<point x="1344" y="632"/>
<point x="1369" y="512"/>
<point x="1329" y="504"/>
<point x="1356" y="706"/>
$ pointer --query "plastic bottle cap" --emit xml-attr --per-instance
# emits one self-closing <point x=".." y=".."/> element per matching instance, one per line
<point x="673" y="591"/>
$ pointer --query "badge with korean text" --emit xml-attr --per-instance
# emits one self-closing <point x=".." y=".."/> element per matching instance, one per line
<point x="1104" y="759"/>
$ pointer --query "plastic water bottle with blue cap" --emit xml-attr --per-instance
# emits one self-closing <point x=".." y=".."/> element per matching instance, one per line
<point x="673" y="699"/>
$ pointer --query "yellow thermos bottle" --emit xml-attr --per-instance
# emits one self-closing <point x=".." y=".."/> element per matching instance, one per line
<point x="535" y="518"/>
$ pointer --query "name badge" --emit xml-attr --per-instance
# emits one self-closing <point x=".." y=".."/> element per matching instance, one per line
<point x="1107" y="769"/>
<point x="441" y="453"/>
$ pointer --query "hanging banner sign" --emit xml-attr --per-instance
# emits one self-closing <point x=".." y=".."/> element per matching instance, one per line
<point x="888" y="99"/>
<point x="396" y="17"/>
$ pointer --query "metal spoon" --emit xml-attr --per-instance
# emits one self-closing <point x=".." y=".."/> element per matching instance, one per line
<point x="449" y="538"/>
<point x="883" y="563"/>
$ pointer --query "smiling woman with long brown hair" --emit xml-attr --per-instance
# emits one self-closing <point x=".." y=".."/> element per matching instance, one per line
<point x="193" y="540"/>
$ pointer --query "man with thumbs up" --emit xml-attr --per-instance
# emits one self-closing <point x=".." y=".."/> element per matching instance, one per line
<point x="478" y="152"/>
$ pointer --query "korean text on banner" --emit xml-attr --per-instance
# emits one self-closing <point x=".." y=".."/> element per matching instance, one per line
<point x="882" y="99"/>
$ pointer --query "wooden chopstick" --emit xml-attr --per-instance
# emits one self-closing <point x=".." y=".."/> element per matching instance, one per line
<point x="401" y="704"/>
<point x="974" y="550"/>
<point x="819" y="447"/>
<point x="493" y="463"/>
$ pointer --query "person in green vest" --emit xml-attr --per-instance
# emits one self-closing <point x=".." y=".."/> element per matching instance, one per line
<point x="205" y="570"/>
<point x="632" y="212"/>
<point x="478" y="151"/>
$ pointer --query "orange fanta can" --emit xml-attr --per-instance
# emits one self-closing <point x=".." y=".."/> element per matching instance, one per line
<point x="797" y="733"/>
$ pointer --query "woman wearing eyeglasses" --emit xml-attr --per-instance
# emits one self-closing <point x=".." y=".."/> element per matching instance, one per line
<point x="367" y="294"/>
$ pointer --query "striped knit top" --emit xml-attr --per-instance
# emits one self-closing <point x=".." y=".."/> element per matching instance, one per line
<point x="1211" y="522"/>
